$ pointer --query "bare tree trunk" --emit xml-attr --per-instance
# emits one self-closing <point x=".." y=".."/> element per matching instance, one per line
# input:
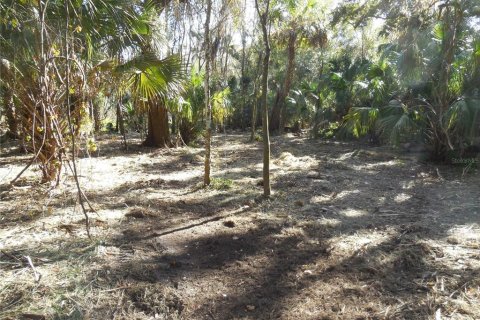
<point x="266" y="138"/>
<point x="254" y="113"/>
<point x="243" y="82"/>
<point x="120" y="123"/>
<point x="319" y="118"/>
<point x="96" y="117"/>
<point x="117" y="122"/>
<point x="208" y="135"/>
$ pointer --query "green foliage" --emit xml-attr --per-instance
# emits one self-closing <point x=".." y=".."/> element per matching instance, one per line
<point x="361" y="120"/>
<point x="418" y="79"/>
<point x="462" y="121"/>
<point x="91" y="145"/>
<point x="395" y="122"/>
<point x="329" y="131"/>
<point x="221" y="183"/>
<point x="424" y="86"/>
<point x="258" y="137"/>
<point x="192" y="106"/>
<point x="148" y="77"/>
<point x="221" y="107"/>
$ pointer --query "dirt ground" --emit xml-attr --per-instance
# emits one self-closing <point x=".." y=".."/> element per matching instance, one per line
<point x="351" y="232"/>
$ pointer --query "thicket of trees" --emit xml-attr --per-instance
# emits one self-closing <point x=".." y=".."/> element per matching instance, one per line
<point x="393" y="71"/>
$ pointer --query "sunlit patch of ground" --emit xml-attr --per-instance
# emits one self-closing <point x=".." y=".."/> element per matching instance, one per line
<point x="351" y="232"/>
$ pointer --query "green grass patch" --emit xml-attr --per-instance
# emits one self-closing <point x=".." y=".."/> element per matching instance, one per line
<point x="221" y="184"/>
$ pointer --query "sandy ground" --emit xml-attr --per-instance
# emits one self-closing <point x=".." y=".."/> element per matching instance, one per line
<point x="351" y="232"/>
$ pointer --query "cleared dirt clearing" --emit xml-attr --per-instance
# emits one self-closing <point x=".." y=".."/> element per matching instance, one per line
<point x="351" y="232"/>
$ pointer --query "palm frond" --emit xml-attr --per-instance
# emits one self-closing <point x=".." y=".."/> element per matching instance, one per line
<point x="462" y="120"/>
<point x="360" y="120"/>
<point x="395" y="122"/>
<point x="149" y="77"/>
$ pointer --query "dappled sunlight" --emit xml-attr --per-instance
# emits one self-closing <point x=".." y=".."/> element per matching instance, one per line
<point x="402" y="197"/>
<point x="48" y="230"/>
<point x="224" y="250"/>
<point x="468" y="236"/>
<point x="321" y="199"/>
<point x="288" y="160"/>
<point x="111" y="215"/>
<point x="324" y="198"/>
<point x="253" y="160"/>
<point x="98" y="174"/>
<point x="361" y="240"/>
<point x="376" y="165"/>
<point x="67" y="222"/>
<point x="381" y="200"/>
<point x="345" y="193"/>
<point x="351" y="212"/>
<point x="9" y="171"/>
<point x="329" y="222"/>
<point x="346" y="156"/>
<point x="183" y="175"/>
<point x="408" y="185"/>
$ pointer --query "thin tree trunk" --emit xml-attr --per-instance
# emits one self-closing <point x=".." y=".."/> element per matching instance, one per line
<point x="254" y="113"/>
<point x="266" y="136"/>
<point x="96" y="117"/>
<point x="90" y="109"/>
<point x="120" y="124"/>
<point x="243" y="82"/>
<point x="319" y="118"/>
<point x="117" y="122"/>
<point x="208" y="135"/>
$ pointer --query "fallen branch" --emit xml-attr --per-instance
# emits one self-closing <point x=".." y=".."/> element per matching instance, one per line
<point x="36" y="274"/>
<point x="190" y="226"/>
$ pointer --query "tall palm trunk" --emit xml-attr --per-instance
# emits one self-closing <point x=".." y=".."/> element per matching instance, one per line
<point x="158" y="134"/>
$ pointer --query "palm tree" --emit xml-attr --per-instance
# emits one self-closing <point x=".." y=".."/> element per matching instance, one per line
<point x="34" y="44"/>
<point x="301" y="28"/>
<point x="435" y="54"/>
<point x="152" y="83"/>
